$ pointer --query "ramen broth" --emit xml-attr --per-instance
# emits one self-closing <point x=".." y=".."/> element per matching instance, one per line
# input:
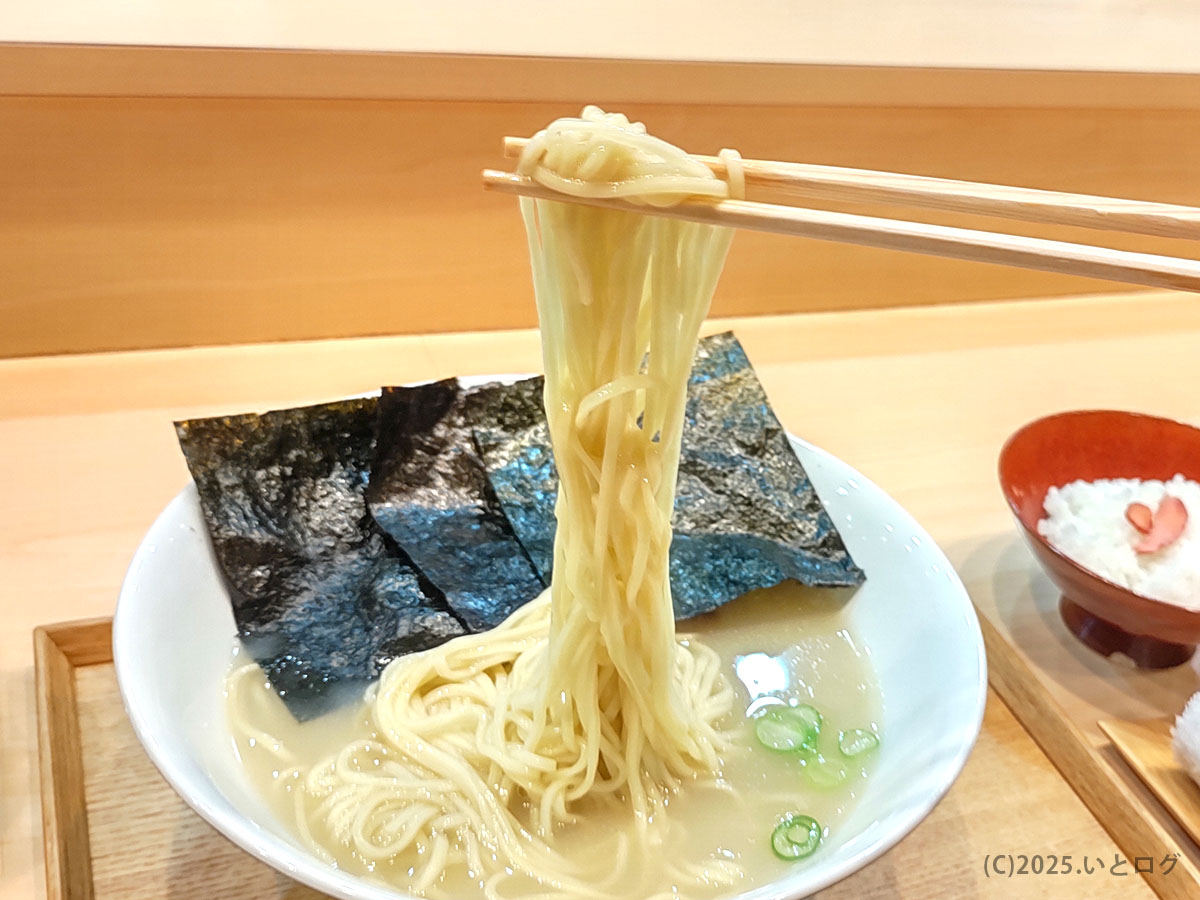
<point x="786" y="644"/>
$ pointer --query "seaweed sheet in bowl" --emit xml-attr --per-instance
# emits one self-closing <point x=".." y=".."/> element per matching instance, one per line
<point x="746" y="513"/>
<point x="321" y="595"/>
<point x="352" y="532"/>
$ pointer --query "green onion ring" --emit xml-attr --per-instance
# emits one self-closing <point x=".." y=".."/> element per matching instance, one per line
<point x="796" y="837"/>
<point x="857" y="741"/>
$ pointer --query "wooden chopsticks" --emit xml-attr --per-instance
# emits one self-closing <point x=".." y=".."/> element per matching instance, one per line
<point x="800" y="181"/>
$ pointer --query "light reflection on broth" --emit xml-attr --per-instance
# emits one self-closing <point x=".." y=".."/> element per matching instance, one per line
<point x="782" y="645"/>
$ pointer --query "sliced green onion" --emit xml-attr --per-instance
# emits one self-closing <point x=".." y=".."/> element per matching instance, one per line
<point x="796" y="837"/>
<point x="777" y="730"/>
<point x="787" y="729"/>
<point x="825" y="773"/>
<point x="809" y="715"/>
<point x="857" y="741"/>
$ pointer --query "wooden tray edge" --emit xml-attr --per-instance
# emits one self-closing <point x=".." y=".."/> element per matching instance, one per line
<point x="1118" y="810"/>
<point x="61" y="648"/>
<point x="57" y="651"/>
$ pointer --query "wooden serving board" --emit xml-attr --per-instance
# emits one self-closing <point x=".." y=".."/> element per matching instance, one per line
<point x="1146" y="747"/>
<point x="1074" y="740"/>
<point x="115" y="830"/>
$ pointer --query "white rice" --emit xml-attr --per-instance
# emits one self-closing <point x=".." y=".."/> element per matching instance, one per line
<point x="1185" y="738"/>
<point x="1085" y="520"/>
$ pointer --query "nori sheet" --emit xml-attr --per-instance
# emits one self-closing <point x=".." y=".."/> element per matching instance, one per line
<point x="308" y="510"/>
<point x="746" y="514"/>
<point x="429" y="491"/>
<point x="322" y="598"/>
<point x="513" y="437"/>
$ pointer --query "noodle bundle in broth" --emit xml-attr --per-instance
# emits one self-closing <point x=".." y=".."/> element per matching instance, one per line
<point x="476" y="757"/>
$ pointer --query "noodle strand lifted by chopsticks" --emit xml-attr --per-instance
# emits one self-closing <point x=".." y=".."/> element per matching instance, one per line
<point x="487" y="744"/>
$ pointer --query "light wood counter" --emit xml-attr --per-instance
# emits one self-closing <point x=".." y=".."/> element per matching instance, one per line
<point x="918" y="399"/>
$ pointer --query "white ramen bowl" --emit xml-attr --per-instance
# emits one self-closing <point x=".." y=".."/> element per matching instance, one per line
<point x="173" y="634"/>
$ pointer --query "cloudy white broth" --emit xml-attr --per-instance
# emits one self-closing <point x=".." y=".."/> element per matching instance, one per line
<point x="786" y="645"/>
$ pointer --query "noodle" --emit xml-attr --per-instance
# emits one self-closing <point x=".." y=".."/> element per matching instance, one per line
<point x="484" y="746"/>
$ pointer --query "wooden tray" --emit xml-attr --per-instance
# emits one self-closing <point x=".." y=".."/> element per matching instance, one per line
<point x="1146" y="748"/>
<point x="1073" y="740"/>
<point x="115" y="830"/>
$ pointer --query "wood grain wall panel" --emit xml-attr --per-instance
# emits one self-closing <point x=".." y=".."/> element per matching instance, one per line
<point x="152" y="222"/>
<point x="123" y="71"/>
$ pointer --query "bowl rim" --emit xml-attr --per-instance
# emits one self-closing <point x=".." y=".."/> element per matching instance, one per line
<point x="1034" y="535"/>
<point x="308" y="869"/>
